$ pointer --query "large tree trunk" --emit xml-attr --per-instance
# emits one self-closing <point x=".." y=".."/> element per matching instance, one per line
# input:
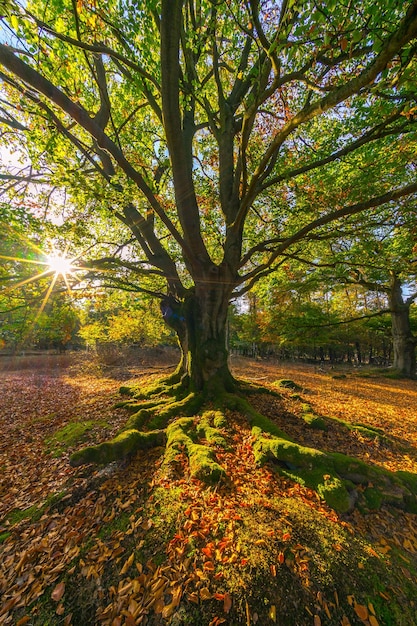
<point x="200" y="322"/>
<point x="404" y="343"/>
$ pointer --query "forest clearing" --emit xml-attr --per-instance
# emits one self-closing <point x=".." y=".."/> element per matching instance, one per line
<point x="126" y="544"/>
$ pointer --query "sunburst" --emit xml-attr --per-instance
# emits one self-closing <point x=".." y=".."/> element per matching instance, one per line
<point x="56" y="265"/>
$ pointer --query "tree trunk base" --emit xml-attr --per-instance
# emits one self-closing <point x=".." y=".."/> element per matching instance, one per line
<point x="192" y="427"/>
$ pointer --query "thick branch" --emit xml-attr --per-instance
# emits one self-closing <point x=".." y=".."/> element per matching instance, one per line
<point x="333" y="216"/>
<point x="179" y="149"/>
<point x="40" y="84"/>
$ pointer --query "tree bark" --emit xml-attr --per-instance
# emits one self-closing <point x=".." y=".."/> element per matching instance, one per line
<point x="404" y="343"/>
<point x="200" y="322"/>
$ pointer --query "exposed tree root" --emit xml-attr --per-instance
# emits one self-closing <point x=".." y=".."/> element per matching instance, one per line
<point x="122" y="445"/>
<point x="167" y="416"/>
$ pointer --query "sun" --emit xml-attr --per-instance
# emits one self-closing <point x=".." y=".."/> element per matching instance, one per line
<point x="60" y="264"/>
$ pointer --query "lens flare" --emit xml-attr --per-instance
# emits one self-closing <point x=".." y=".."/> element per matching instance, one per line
<point x="60" y="264"/>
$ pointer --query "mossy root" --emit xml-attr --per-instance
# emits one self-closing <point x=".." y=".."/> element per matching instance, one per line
<point x="121" y="446"/>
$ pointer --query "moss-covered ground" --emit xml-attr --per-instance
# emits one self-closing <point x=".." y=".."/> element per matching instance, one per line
<point x="147" y="541"/>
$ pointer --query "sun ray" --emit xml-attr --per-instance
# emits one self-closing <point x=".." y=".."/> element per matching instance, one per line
<point x="31" y="279"/>
<point x="22" y="260"/>
<point x="41" y="309"/>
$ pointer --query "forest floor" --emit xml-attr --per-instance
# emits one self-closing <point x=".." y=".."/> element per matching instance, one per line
<point x="125" y="545"/>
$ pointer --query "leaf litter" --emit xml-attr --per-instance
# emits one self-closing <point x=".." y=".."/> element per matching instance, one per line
<point x="219" y="536"/>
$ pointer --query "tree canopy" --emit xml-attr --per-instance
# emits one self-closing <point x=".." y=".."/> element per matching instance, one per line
<point x="198" y="124"/>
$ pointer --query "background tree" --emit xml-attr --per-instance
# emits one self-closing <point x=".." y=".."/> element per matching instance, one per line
<point x="381" y="258"/>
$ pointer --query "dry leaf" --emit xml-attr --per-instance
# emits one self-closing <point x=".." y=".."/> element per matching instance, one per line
<point x="60" y="610"/>
<point x="361" y="611"/>
<point x="227" y="604"/>
<point x="58" y="592"/>
<point x="127" y="565"/>
<point x="373" y="621"/>
<point x="317" y="620"/>
<point x="205" y="594"/>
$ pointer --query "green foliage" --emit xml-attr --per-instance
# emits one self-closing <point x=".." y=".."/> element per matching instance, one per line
<point x="123" y="318"/>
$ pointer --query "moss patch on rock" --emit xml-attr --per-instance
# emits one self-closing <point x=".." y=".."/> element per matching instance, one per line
<point x="287" y="383"/>
<point x="70" y="435"/>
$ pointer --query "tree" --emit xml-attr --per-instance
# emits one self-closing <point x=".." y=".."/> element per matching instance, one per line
<point x="380" y="257"/>
<point x="197" y="124"/>
<point x="123" y="318"/>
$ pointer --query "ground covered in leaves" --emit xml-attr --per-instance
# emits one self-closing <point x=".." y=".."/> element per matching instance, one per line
<point x="126" y="545"/>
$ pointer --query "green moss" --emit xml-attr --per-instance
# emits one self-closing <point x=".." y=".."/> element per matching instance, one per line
<point x="4" y="536"/>
<point x="32" y="513"/>
<point x="187" y="406"/>
<point x="334" y="492"/>
<point x="35" y="512"/>
<point x="254" y="418"/>
<point x="125" y="390"/>
<point x="364" y="429"/>
<point x="334" y="475"/>
<point x="314" y="421"/>
<point x="68" y="436"/>
<point x="122" y="445"/>
<point x="212" y="434"/>
<point x="202" y="464"/>
<point x="373" y="498"/>
<point x="286" y="383"/>
<point x="181" y="438"/>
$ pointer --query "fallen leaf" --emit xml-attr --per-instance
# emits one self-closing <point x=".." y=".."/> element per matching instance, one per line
<point x="227" y="604"/>
<point x="361" y="611"/>
<point x="60" y="610"/>
<point x="127" y="564"/>
<point x="58" y="592"/>
<point x="205" y="594"/>
<point x="209" y="566"/>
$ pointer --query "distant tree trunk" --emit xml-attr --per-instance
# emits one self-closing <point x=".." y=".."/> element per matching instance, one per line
<point x="358" y="352"/>
<point x="404" y="343"/>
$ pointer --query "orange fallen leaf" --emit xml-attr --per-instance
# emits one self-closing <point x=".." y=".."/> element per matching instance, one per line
<point x="58" y="592"/>
<point x="373" y="621"/>
<point x="361" y="611"/>
<point x="127" y="564"/>
<point x="193" y="597"/>
<point x="317" y="620"/>
<point x="209" y="566"/>
<point x="23" y="620"/>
